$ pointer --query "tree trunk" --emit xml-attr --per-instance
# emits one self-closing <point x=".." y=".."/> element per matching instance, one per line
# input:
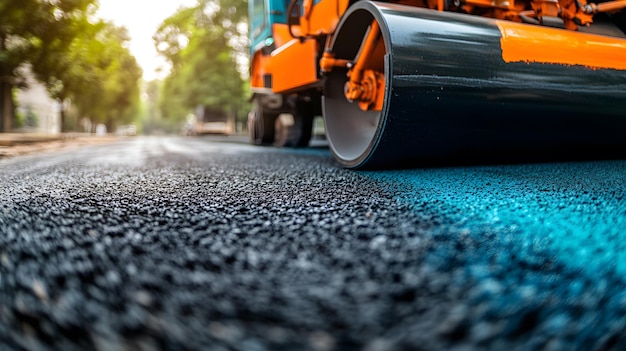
<point x="6" y="96"/>
<point x="6" y="107"/>
<point x="62" y="128"/>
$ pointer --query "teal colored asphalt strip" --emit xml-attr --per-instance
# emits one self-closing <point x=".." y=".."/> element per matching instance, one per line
<point x="573" y="211"/>
<point x="537" y="252"/>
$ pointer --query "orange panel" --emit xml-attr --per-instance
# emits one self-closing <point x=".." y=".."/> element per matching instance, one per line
<point x="260" y="65"/>
<point x="258" y="69"/>
<point x="323" y="17"/>
<point x="528" y="43"/>
<point x="280" y="33"/>
<point x="293" y="65"/>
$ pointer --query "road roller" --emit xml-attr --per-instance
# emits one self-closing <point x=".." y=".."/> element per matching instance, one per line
<point x="416" y="82"/>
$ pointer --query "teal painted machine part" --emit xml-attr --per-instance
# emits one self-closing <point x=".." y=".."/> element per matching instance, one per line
<point x="263" y="14"/>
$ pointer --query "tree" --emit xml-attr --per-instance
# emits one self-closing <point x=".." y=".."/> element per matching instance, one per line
<point x="33" y="32"/>
<point x="109" y="91"/>
<point x="78" y="59"/>
<point x="97" y="73"/>
<point x="202" y="43"/>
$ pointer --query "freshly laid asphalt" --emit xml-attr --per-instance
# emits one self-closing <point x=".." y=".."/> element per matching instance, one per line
<point x="193" y="243"/>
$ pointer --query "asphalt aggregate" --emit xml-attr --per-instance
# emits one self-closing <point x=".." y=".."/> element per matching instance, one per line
<point x="175" y="243"/>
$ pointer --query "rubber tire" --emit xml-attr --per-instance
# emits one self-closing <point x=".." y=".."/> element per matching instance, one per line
<point x="261" y="125"/>
<point x="299" y="134"/>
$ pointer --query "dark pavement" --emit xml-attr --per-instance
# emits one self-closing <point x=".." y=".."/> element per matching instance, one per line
<point x="193" y="243"/>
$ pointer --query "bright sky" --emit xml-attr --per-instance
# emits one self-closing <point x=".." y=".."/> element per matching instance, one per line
<point x="141" y="18"/>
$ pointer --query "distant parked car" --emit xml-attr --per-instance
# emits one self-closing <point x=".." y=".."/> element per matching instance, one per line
<point x="126" y="130"/>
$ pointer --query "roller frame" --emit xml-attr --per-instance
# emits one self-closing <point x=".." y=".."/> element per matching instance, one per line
<point x="466" y="85"/>
<point x="432" y="100"/>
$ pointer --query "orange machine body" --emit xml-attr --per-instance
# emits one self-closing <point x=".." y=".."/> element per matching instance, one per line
<point x="534" y="44"/>
<point x="294" y="63"/>
<point x="411" y="80"/>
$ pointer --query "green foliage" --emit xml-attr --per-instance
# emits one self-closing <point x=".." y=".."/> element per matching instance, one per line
<point x="32" y="31"/>
<point x="114" y="97"/>
<point x="75" y="57"/>
<point x="152" y="121"/>
<point x="98" y="73"/>
<point x="202" y="44"/>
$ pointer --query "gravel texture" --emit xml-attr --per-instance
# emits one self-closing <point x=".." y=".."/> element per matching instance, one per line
<point x="186" y="244"/>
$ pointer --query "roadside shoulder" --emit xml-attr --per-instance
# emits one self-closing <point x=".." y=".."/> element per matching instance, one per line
<point x="16" y="144"/>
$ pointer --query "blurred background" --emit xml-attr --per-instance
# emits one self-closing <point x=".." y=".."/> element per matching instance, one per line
<point x="124" y="67"/>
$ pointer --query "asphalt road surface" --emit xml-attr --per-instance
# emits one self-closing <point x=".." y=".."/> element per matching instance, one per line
<point x="193" y="243"/>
